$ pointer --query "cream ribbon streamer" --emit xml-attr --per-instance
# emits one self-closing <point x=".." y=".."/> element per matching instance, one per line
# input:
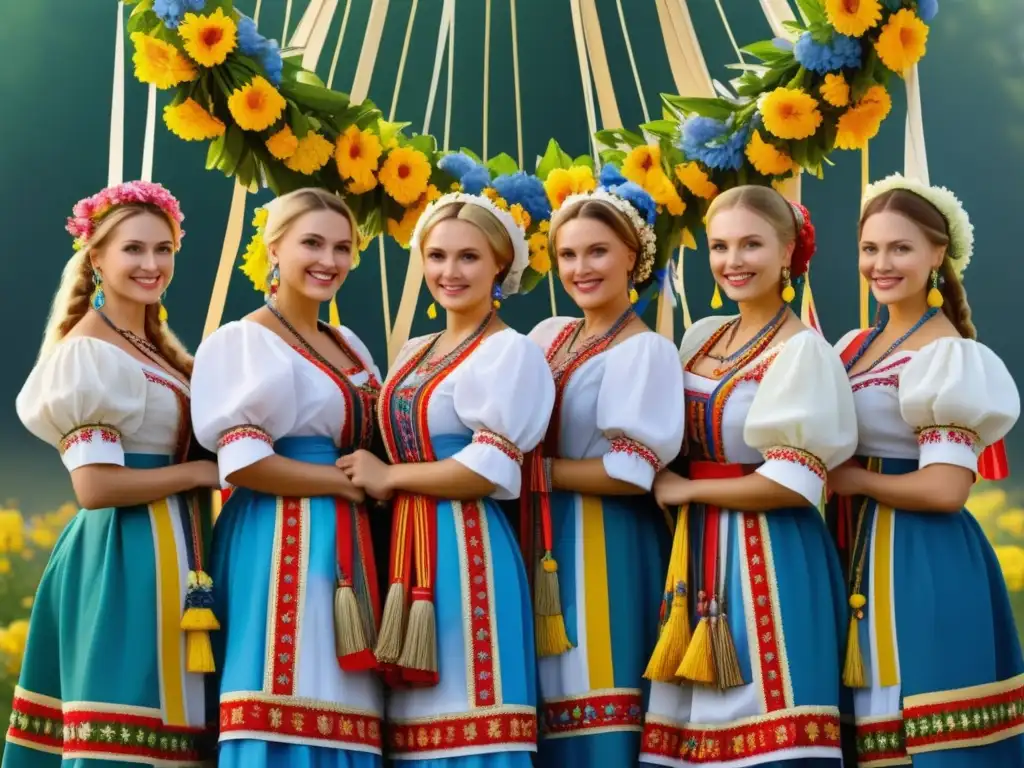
<point x="149" y="139"/>
<point x="915" y="157"/>
<point x="115" y="159"/>
<point x="337" y="46"/>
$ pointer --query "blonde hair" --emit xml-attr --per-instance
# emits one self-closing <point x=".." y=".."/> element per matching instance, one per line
<point x="493" y="230"/>
<point x="604" y="212"/>
<point x="72" y="299"/>
<point x="764" y="202"/>
<point x="284" y="210"/>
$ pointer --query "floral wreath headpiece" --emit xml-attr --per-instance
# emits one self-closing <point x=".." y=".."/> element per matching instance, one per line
<point x="806" y="242"/>
<point x="514" y="226"/>
<point x="256" y="259"/>
<point x="90" y="211"/>
<point x="633" y="202"/>
<point x="961" y="231"/>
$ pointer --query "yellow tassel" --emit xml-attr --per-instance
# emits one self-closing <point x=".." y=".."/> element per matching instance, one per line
<point x="727" y="663"/>
<point x="674" y="638"/>
<point x="420" y="648"/>
<point x="163" y="314"/>
<point x="853" y="669"/>
<point x="634" y="297"/>
<point x="788" y="293"/>
<point x="698" y="664"/>
<point x="349" y="637"/>
<point x="332" y="312"/>
<point x="392" y="625"/>
<point x="935" y="299"/>
<point x="432" y="311"/>
<point x="199" y="620"/>
<point x="716" y="298"/>
<point x="198" y="652"/>
<point x="549" y="629"/>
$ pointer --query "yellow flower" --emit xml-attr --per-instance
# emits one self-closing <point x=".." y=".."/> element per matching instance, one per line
<point x="26" y="602"/>
<point x="790" y="113"/>
<point x="189" y="121"/>
<point x="902" y="41"/>
<point x="356" y="155"/>
<point x="256" y="260"/>
<point x="695" y="179"/>
<point x="208" y="39"/>
<point x="664" y="191"/>
<point x="12" y="531"/>
<point x="311" y="155"/>
<point x="986" y="502"/>
<point x="44" y="538"/>
<point x="540" y="256"/>
<point x="563" y="182"/>
<point x="835" y="90"/>
<point x="853" y="17"/>
<point x="405" y="174"/>
<point x="159" y="63"/>
<point x="1012" y="522"/>
<point x="432" y="193"/>
<point x="5" y="565"/>
<point x="641" y="163"/>
<point x="1011" y="560"/>
<point x="283" y="144"/>
<point x="860" y="123"/>
<point x="12" y="644"/>
<point x="520" y="216"/>
<point x="256" y="106"/>
<point x="766" y="158"/>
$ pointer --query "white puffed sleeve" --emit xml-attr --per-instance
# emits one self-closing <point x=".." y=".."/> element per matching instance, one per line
<point x="361" y="350"/>
<point x="81" y="398"/>
<point x="504" y="394"/>
<point x="960" y="398"/>
<point x="243" y="394"/>
<point x="803" y="419"/>
<point x="640" y="408"/>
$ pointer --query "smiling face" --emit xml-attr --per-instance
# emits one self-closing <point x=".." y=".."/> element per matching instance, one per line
<point x="314" y="254"/>
<point x="896" y="258"/>
<point x="747" y="255"/>
<point x="459" y="265"/>
<point x="594" y="263"/>
<point x="136" y="259"/>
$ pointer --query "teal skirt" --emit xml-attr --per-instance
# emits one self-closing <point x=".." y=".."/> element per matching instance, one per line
<point x="103" y="681"/>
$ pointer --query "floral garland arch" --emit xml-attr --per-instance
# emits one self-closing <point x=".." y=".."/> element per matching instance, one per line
<point x="271" y="122"/>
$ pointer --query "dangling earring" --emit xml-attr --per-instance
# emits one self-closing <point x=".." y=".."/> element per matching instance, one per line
<point x="98" y="297"/>
<point x="274" y="284"/>
<point x="634" y="297"/>
<point x="432" y="311"/>
<point x="716" y="298"/>
<point x="163" y="309"/>
<point x="497" y="295"/>
<point x="935" y="298"/>
<point x="788" y="292"/>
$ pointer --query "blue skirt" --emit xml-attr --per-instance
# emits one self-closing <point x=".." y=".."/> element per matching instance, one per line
<point x="941" y="654"/>
<point x="611" y="554"/>
<point x="112" y="592"/>
<point x="284" y="699"/>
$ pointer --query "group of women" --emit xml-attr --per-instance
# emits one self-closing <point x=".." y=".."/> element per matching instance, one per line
<point x="748" y="551"/>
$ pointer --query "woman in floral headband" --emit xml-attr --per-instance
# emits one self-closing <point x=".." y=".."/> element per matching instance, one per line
<point x="933" y="659"/>
<point x="457" y="412"/>
<point x="768" y="410"/>
<point x="610" y="434"/>
<point x="118" y="639"/>
<point x="280" y="395"/>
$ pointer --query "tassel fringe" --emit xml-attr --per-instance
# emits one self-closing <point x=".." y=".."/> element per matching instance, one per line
<point x="727" y="663"/>
<point x="552" y="639"/>
<point x="198" y="621"/>
<point x="353" y="651"/>
<point x="419" y="652"/>
<point x="673" y="640"/>
<point x="698" y="663"/>
<point x="198" y="652"/>
<point x="392" y="626"/>
<point x="853" y="668"/>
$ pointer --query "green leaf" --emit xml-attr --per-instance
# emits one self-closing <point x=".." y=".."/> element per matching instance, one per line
<point x="812" y="11"/>
<point x="766" y="51"/>
<point x="612" y="157"/>
<point x="470" y="153"/>
<point x="234" y="146"/>
<point x="502" y="165"/>
<point x="214" y="152"/>
<point x="246" y="172"/>
<point x="663" y="129"/>
<point x="424" y="143"/>
<point x="794" y="26"/>
<point x="822" y="33"/>
<point x="552" y="158"/>
<point x="719" y="109"/>
<point x="298" y="121"/>
<point x="143" y="20"/>
<point x="587" y="160"/>
<point x="315" y="97"/>
<point x="607" y="138"/>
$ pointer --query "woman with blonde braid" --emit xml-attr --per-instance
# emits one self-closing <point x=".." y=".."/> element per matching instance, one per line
<point x="125" y="581"/>
<point x="933" y="660"/>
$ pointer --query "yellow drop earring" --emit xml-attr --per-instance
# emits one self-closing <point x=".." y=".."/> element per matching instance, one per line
<point x="716" y="298"/>
<point x="788" y="291"/>
<point x="935" y="298"/>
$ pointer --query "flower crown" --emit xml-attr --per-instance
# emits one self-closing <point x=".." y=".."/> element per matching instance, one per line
<point x="961" y="231"/>
<point x="89" y="212"/>
<point x="806" y="242"/>
<point x="256" y="259"/>
<point x="633" y="202"/>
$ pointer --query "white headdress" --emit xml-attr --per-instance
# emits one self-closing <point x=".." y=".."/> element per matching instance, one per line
<point x="961" y="231"/>
<point x="520" y="249"/>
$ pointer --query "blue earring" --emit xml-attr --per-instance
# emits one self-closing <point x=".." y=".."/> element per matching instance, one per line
<point x="98" y="298"/>
<point x="497" y="295"/>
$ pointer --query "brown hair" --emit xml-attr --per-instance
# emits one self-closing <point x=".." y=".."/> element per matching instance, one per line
<point x="493" y="230"/>
<point x="74" y="292"/>
<point x="604" y="212"/>
<point x="762" y="201"/>
<point x="935" y="229"/>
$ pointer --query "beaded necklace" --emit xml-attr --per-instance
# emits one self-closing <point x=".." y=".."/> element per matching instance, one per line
<point x="323" y="361"/>
<point x="145" y="347"/>
<point x="594" y="341"/>
<point x="928" y="315"/>
<point x="760" y="341"/>
<point x="427" y="365"/>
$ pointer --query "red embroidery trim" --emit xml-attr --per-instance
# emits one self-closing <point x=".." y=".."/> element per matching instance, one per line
<point x="766" y="639"/>
<point x="881" y="740"/>
<point x="244" y="432"/>
<point x="884" y="381"/>
<point x="35" y="723"/>
<point x="948" y="433"/>
<point x="894" y="364"/>
<point x="965" y="719"/>
<point x="503" y="444"/>
<point x="714" y="744"/>
<point x="458" y="732"/>
<point x="619" y="711"/>
<point x="304" y="721"/>
<point x="796" y="456"/>
<point x="632" y="447"/>
<point x="86" y="434"/>
<point x="480" y="607"/>
<point x="287" y="606"/>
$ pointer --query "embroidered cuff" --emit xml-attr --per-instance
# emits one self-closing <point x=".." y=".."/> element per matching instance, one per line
<point x="91" y="444"/>
<point x="796" y="469"/>
<point x="240" y="447"/>
<point x="496" y="458"/>
<point x="632" y="462"/>
<point x="948" y="444"/>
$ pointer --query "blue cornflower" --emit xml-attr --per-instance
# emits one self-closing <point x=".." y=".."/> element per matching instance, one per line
<point x="457" y="165"/>
<point x="927" y="10"/>
<point x="171" y="12"/>
<point x="610" y="176"/>
<point x="526" y="190"/>
<point x="639" y="198"/>
<point x="842" y="52"/>
<point x="266" y="52"/>
<point x="475" y="180"/>
<point x="713" y="143"/>
<point x="272" y="62"/>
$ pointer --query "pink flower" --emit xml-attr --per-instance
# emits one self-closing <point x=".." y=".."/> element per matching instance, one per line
<point x="87" y="212"/>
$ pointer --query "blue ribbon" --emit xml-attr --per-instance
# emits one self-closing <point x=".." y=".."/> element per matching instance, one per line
<point x="654" y="289"/>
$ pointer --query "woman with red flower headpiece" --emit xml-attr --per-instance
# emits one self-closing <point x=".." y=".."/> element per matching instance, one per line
<point x="747" y="664"/>
<point x="119" y="636"/>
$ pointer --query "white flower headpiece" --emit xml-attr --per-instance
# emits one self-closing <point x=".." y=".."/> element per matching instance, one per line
<point x="644" y="231"/>
<point x="520" y="249"/>
<point x="961" y="231"/>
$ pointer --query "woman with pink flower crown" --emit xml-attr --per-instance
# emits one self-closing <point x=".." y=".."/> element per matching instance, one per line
<point x="119" y="636"/>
